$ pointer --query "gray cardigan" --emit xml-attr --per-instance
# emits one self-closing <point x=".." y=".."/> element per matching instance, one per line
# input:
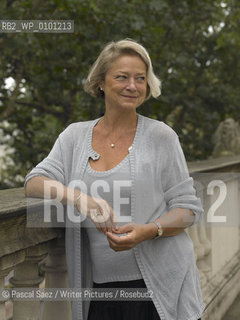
<point x="160" y="182"/>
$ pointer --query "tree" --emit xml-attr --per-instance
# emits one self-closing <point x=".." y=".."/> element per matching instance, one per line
<point x="194" y="46"/>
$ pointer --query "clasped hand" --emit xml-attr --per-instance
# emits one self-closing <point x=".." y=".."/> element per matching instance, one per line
<point x="135" y="233"/>
<point x="104" y="218"/>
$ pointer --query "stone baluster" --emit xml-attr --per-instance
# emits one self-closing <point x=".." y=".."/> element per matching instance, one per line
<point x="6" y="265"/>
<point x="203" y="264"/>
<point x="56" y="277"/>
<point x="202" y="245"/>
<point x="3" y="298"/>
<point x="193" y="231"/>
<point x="198" y="248"/>
<point x="26" y="275"/>
<point x="203" y="235"/>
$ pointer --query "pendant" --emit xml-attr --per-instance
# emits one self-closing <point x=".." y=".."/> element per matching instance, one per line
<point x="112" y="145"/>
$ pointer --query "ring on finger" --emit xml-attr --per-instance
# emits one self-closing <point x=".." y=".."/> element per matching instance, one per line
<point x="96" y="214"/>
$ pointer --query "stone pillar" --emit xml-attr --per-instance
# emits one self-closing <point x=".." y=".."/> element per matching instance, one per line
<point x="6" y="265"/>
<point x="198" y="248"/>
<point x="3" y="274"/>
<point x="202" y="245"/>
<point x="26" y="276"/>
<point x="193" y="230"/>
<point x="56" y="277"/>
<point x="203" y="264"/>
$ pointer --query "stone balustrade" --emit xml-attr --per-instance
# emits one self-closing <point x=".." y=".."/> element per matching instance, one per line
<point x="216" y="238"/>
<point x="216" y="242"/>
<point x="23" y="247"/>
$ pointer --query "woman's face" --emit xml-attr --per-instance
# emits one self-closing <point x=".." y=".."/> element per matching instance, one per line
<point x="125" y="84"/>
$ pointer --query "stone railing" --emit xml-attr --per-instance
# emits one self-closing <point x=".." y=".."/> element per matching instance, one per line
<point x="216" y="237"/>
<point x="216" y="243"/>
<point x="22" y="249"/>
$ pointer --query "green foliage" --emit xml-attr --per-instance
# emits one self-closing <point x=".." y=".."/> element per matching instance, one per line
<point x="194" y="46"/>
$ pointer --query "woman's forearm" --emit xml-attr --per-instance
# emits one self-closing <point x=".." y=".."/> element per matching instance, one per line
<point x="174" y="222"/>
<point x="43" y="187"/>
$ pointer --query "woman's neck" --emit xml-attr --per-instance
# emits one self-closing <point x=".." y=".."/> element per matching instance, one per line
<point x="123" y="120"/>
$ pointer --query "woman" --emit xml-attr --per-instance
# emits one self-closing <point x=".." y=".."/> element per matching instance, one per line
<point x="128" y="176"/>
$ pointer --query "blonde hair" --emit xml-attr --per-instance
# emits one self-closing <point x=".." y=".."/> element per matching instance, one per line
<point x="111" y="52"/>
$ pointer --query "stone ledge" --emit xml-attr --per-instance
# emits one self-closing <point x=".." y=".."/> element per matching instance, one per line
<point x="221" y="164"/>
<point x="13" y="202"/>
<point x="16" y="233"/>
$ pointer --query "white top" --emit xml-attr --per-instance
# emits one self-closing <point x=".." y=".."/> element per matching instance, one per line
<point x="114" y="186"/>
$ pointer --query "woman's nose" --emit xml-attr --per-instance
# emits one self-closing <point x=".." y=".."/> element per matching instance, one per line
<point x="131" y="85"/>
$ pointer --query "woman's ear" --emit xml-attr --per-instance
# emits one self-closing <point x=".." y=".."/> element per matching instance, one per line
<point x="101" y="89"/>
<point x="101" y="85"/>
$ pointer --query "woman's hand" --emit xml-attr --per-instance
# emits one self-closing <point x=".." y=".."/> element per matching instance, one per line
<point x="99" y="211"/>
<point x="135" y="233"/>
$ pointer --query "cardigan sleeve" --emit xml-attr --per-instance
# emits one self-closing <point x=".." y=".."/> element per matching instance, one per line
<point x="179" y="191"/>
<point x="52" y="166"/>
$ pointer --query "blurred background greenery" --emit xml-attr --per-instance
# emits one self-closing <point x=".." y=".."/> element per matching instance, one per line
<point x="195" y="50"/>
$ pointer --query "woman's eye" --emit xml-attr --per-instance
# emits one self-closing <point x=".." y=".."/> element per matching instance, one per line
<point x="141" y="79"/>
<point x="121" y="77"/>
